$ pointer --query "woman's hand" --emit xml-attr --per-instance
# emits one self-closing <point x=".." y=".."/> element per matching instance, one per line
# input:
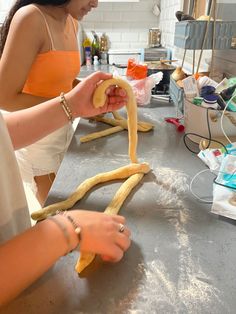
<point x="80" y="98"/>
<point x="100" y="234"/>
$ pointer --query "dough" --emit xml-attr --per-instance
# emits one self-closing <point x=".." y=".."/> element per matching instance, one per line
<point x="95" y="135"/>
<point x="117" y="116"/>
<point x="119" y="125"/>
<point x="113" y="208"/>
<point x="142" y="126"/>
<point x="84" y="187"/>
<point x="99" y="99"/>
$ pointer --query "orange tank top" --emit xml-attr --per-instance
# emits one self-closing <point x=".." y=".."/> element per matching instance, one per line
<point x="54" y="71"/>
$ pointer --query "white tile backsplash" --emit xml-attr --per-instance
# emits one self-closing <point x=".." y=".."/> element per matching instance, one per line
<point x="127" y="23"/>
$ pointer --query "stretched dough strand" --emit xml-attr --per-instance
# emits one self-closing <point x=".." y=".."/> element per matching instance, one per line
<point x="84" y="187"/>
<point x="86" y="258"/>
<point x="99" y="100"/>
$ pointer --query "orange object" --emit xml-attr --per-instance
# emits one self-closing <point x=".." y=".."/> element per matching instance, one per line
<point x="136" y="71"/>
<point x="52" y="72"/>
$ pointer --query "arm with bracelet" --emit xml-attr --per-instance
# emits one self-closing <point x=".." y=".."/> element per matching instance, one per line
<point x="24" y="257"/>
<point x="29" y="255"/>
<point x="30" y="125"/>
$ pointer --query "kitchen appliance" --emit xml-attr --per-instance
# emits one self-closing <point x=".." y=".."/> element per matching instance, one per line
<point x="121" y="56"/>
<point x="154" y="37"/>
<point x="167" y="69"/>
<point x="154" y="54"/>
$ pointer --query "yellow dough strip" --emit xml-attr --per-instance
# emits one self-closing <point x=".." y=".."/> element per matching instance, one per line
<point x="117" y="116"/>
<point x="86" y="258"/>
<point x="99" y="100"/>
<point x="84" y="187"/>
<point x="119" y="125"/>
<point x="95" y="135"/>
<point x="142" y="126"/>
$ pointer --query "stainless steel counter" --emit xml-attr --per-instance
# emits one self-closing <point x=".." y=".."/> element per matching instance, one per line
<point x="182" y="257"/>
<point x="87" y="70"/>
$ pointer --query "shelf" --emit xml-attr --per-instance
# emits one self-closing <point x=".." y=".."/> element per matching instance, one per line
<point x="190" y="34"/>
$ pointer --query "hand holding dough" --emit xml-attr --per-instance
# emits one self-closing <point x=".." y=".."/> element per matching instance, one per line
<point x="99" y="99"/>
<point x="86" y="258"/>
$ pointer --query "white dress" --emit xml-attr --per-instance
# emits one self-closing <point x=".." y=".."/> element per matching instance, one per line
<point x="14" y="213"/>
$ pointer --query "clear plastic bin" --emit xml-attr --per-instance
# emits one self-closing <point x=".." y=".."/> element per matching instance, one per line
<point x="195" y="121"/>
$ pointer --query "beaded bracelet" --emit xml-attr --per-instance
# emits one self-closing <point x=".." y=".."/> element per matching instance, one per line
<point x="66" y="108"/>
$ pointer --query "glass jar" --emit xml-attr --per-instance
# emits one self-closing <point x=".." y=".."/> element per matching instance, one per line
<point x="154" y="38"/>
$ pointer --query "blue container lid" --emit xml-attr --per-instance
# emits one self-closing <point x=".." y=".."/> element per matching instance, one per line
<point x="206" y="90"/>
<point x="211" y="98"/>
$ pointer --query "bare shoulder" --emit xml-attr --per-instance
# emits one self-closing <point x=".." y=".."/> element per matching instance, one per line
<point x="27" y="26"/>
<point x="28" y="16"/>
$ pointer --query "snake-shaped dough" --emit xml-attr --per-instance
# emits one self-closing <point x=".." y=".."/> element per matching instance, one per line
<point x="118" y="125"/>
<point x="141" y="125"/>
<point x="86" y="258"/>
<point x="93" y="136"/>
<point x="99" y="100"/>
<point x="84" y="187"/>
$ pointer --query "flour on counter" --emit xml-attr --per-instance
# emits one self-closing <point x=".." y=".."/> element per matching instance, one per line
<point x="157" y="292"/>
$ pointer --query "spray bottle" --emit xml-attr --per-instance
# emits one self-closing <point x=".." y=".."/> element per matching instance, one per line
<point x="88" y="51"/>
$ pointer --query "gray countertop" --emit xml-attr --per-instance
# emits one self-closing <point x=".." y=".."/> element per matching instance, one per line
<point x="87" y="70"/>
<point x="182" y="257"/>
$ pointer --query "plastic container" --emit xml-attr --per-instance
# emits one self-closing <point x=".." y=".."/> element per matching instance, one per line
<point x="195" y="121"/>
<point x="87" y="51"/>
<point x="176" y="94"/>
<point x="190" y="34"/>
<point x="88" y="56"/>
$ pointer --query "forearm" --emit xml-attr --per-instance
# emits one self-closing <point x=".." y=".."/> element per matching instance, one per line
<point x="26" y="257"/>
<point x="18" y="102"/>
<point x="27" y="126"/>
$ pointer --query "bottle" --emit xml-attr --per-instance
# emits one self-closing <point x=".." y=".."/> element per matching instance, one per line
<point x="104" y="49"/>
<point x="95" y="62"/>
<point x="227" y="93"/>
<point x="95" y="45"/>
<point x="103" y="43"/>
<point x="88" y="53"/>
<point x="88" y="60"/>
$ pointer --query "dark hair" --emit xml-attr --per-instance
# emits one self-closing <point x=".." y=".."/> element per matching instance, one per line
<point x="19" y="4"/>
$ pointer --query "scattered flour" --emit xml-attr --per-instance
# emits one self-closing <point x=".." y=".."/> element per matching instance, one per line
<point x="192" y="292"/>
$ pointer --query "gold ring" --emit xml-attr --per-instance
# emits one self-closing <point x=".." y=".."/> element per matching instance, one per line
<point x="121" y="228"/>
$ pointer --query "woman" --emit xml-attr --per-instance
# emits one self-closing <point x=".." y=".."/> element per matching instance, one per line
<point x="40" y="59"/>
<point x="27" y="252"/>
